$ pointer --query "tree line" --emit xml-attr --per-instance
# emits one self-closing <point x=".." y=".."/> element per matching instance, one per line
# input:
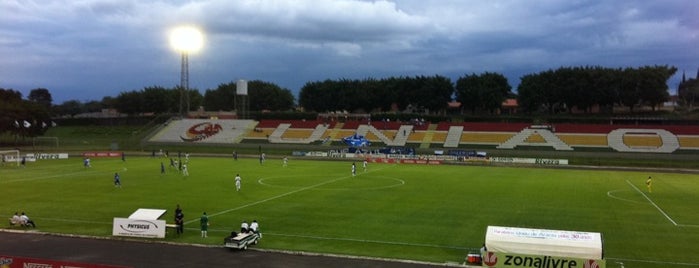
<point x="551" y="91"/>
<point x="25" y="117"/>
<point x="159" y="100"/>
<point x="561" y="90"/>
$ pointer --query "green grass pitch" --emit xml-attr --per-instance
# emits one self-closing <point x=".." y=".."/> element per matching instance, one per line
<point x="426" y="213"/>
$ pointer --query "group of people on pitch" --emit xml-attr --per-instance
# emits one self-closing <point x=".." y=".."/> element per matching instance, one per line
<point x="22" y="220"/>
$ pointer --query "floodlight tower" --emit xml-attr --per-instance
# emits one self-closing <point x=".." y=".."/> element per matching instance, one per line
<point x="242" y="105"/>
<point x="186" y="40"/>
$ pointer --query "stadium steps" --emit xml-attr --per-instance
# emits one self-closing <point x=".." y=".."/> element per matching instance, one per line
<point x="176" y="130"/>
<point x="249" y="128"/>
<point x="400" y="139"/>
<point x="402" y="135"/>
<point x="429" y="134"/>
<point x="454" y="136"/>
<point x="669" y="144"/>
<point x="521" y="137"/>
<point x="332" y="134"/>
<point x="276" y="136"/>
<point x="278" y="132"/>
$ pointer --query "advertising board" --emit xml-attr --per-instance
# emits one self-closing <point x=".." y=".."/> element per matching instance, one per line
<point x="138" y="228"/>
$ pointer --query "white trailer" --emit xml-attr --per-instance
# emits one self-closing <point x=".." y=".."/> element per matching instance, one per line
<point x="525" y="247"/>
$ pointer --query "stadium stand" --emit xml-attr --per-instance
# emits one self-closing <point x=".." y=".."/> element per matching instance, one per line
<point x="453" y="136"/>
<point x="617" y="140"/>
<point x="204" y="131"/>
<point x="492" y="138"/>
<point x="636" y="138"/>
<point x="317" y="134"/>
<point x="642" y="140"/>
<point x="583" y="140"/>
<point x="521" y="137"/>
<point x="439" y="137"/>
<point x="687" y="142"/>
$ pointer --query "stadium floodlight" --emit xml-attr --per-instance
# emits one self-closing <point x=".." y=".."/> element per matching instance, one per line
<point x="186" y="40"/>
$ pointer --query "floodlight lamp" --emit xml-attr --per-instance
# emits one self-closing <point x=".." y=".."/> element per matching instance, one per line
<point x="186" y="39"/>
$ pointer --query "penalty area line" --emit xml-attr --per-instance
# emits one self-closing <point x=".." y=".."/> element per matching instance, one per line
<point x="653" y="203"/>
<point x="272" y="198"/>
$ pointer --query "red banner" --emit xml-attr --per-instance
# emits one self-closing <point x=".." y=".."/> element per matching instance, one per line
<point x="420" y="161"/>
<point x="22" y="262"/>
<point x="101" y="154"/>
<point x="381" y="160"/>
<point x="404" y="161"/>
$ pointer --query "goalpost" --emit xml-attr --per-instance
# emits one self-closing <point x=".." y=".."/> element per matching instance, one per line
<point x="44" y="141"/>
<point x="9" y="156"/>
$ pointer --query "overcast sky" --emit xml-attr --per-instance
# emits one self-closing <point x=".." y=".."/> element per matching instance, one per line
<point x="87" y="49"/>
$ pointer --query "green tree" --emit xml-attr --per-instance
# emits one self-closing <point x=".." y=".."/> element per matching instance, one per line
<point x="688" y="92"/>
<point x="41" y="96"/>
<point x="70" y="107"/>
<point x="268" y="96"/>
<point x="130" y="102"/>
<point x="317" y="96"/>
<point x="536" y="92"/>
<point x="220" y="99"/>
<point x="484" y="92"/>
<point x="653" y="84"/>
<point x="157" y="100"/>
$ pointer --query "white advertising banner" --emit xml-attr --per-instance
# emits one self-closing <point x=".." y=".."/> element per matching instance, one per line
<point x="138" y="228"/>
<point x="43" y="156"/>
<point x="537" y="161"/>
<point x="559" y="243"/>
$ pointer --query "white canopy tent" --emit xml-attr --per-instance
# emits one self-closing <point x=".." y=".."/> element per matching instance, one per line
<point x="572" y="244"/>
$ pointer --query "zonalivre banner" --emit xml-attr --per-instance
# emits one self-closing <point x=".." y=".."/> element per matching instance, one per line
<point x="499" y="259"/>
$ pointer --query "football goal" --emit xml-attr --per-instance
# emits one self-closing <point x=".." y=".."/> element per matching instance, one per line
<point x="44" y="143"/>
<point x="9" y="156"/>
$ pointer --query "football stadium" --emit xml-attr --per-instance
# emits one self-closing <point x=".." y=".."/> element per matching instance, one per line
<point x="373" y="189"/>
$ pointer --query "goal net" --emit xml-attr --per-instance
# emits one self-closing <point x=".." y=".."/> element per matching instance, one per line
<point x="9" y="157"/>
<point x="45" y="143"/>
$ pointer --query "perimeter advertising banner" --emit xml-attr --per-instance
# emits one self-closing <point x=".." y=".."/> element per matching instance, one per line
<point x="44" y="156"/>
<point x="499" y="259"/>
<point x="138" y="228"/>
<point x="542" y="248"/>
<point x="536" y="161"/>
<point x="101" y="154"/>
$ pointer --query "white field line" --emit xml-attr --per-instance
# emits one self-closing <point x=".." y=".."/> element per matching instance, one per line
<point x="378" y="242"/>
<point x="653" y="203"/>
<point x="664" y="263"/>
<point x="611" y="195"/>
<point x="276" y="234"/>
<point x="80" y="173"/>
<point x="273" y="198"/>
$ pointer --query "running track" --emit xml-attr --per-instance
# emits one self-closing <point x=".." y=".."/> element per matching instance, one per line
<point x="155" y="254"/>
